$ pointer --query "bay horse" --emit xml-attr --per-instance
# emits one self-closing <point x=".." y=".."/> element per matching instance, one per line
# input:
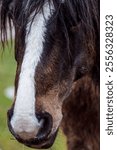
<point x="58" y="71"/>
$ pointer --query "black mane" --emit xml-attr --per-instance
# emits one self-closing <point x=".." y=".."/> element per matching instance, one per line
<point x="71" y="11"/>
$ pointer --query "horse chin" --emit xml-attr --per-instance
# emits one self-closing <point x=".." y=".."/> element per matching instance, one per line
<point x="40" y="144"/>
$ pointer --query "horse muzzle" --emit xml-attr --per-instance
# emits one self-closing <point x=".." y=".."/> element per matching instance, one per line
<point x="44" y="138"/>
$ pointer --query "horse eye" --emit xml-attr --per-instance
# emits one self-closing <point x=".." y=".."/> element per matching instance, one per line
<point x="80" y="71"/>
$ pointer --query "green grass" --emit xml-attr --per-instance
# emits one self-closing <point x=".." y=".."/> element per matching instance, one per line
<point x="7" y="75"/>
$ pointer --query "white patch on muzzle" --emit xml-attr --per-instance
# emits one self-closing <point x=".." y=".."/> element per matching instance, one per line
<point x="24" y="119"/>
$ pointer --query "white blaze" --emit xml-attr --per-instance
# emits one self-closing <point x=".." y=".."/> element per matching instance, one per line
<point x="24" y="119"/>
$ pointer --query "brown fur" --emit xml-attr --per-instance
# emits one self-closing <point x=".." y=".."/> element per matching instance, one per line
<point x="81" y="116"/>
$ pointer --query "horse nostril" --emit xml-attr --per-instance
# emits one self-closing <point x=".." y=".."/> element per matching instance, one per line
<point x="37" y="133"/>
<point x="45" y="120"/>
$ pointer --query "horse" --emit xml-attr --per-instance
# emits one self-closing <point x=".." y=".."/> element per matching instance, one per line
<point x="58" y="71"/>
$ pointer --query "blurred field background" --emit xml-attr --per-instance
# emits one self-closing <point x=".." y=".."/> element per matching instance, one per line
<point x="7" y="75"/>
